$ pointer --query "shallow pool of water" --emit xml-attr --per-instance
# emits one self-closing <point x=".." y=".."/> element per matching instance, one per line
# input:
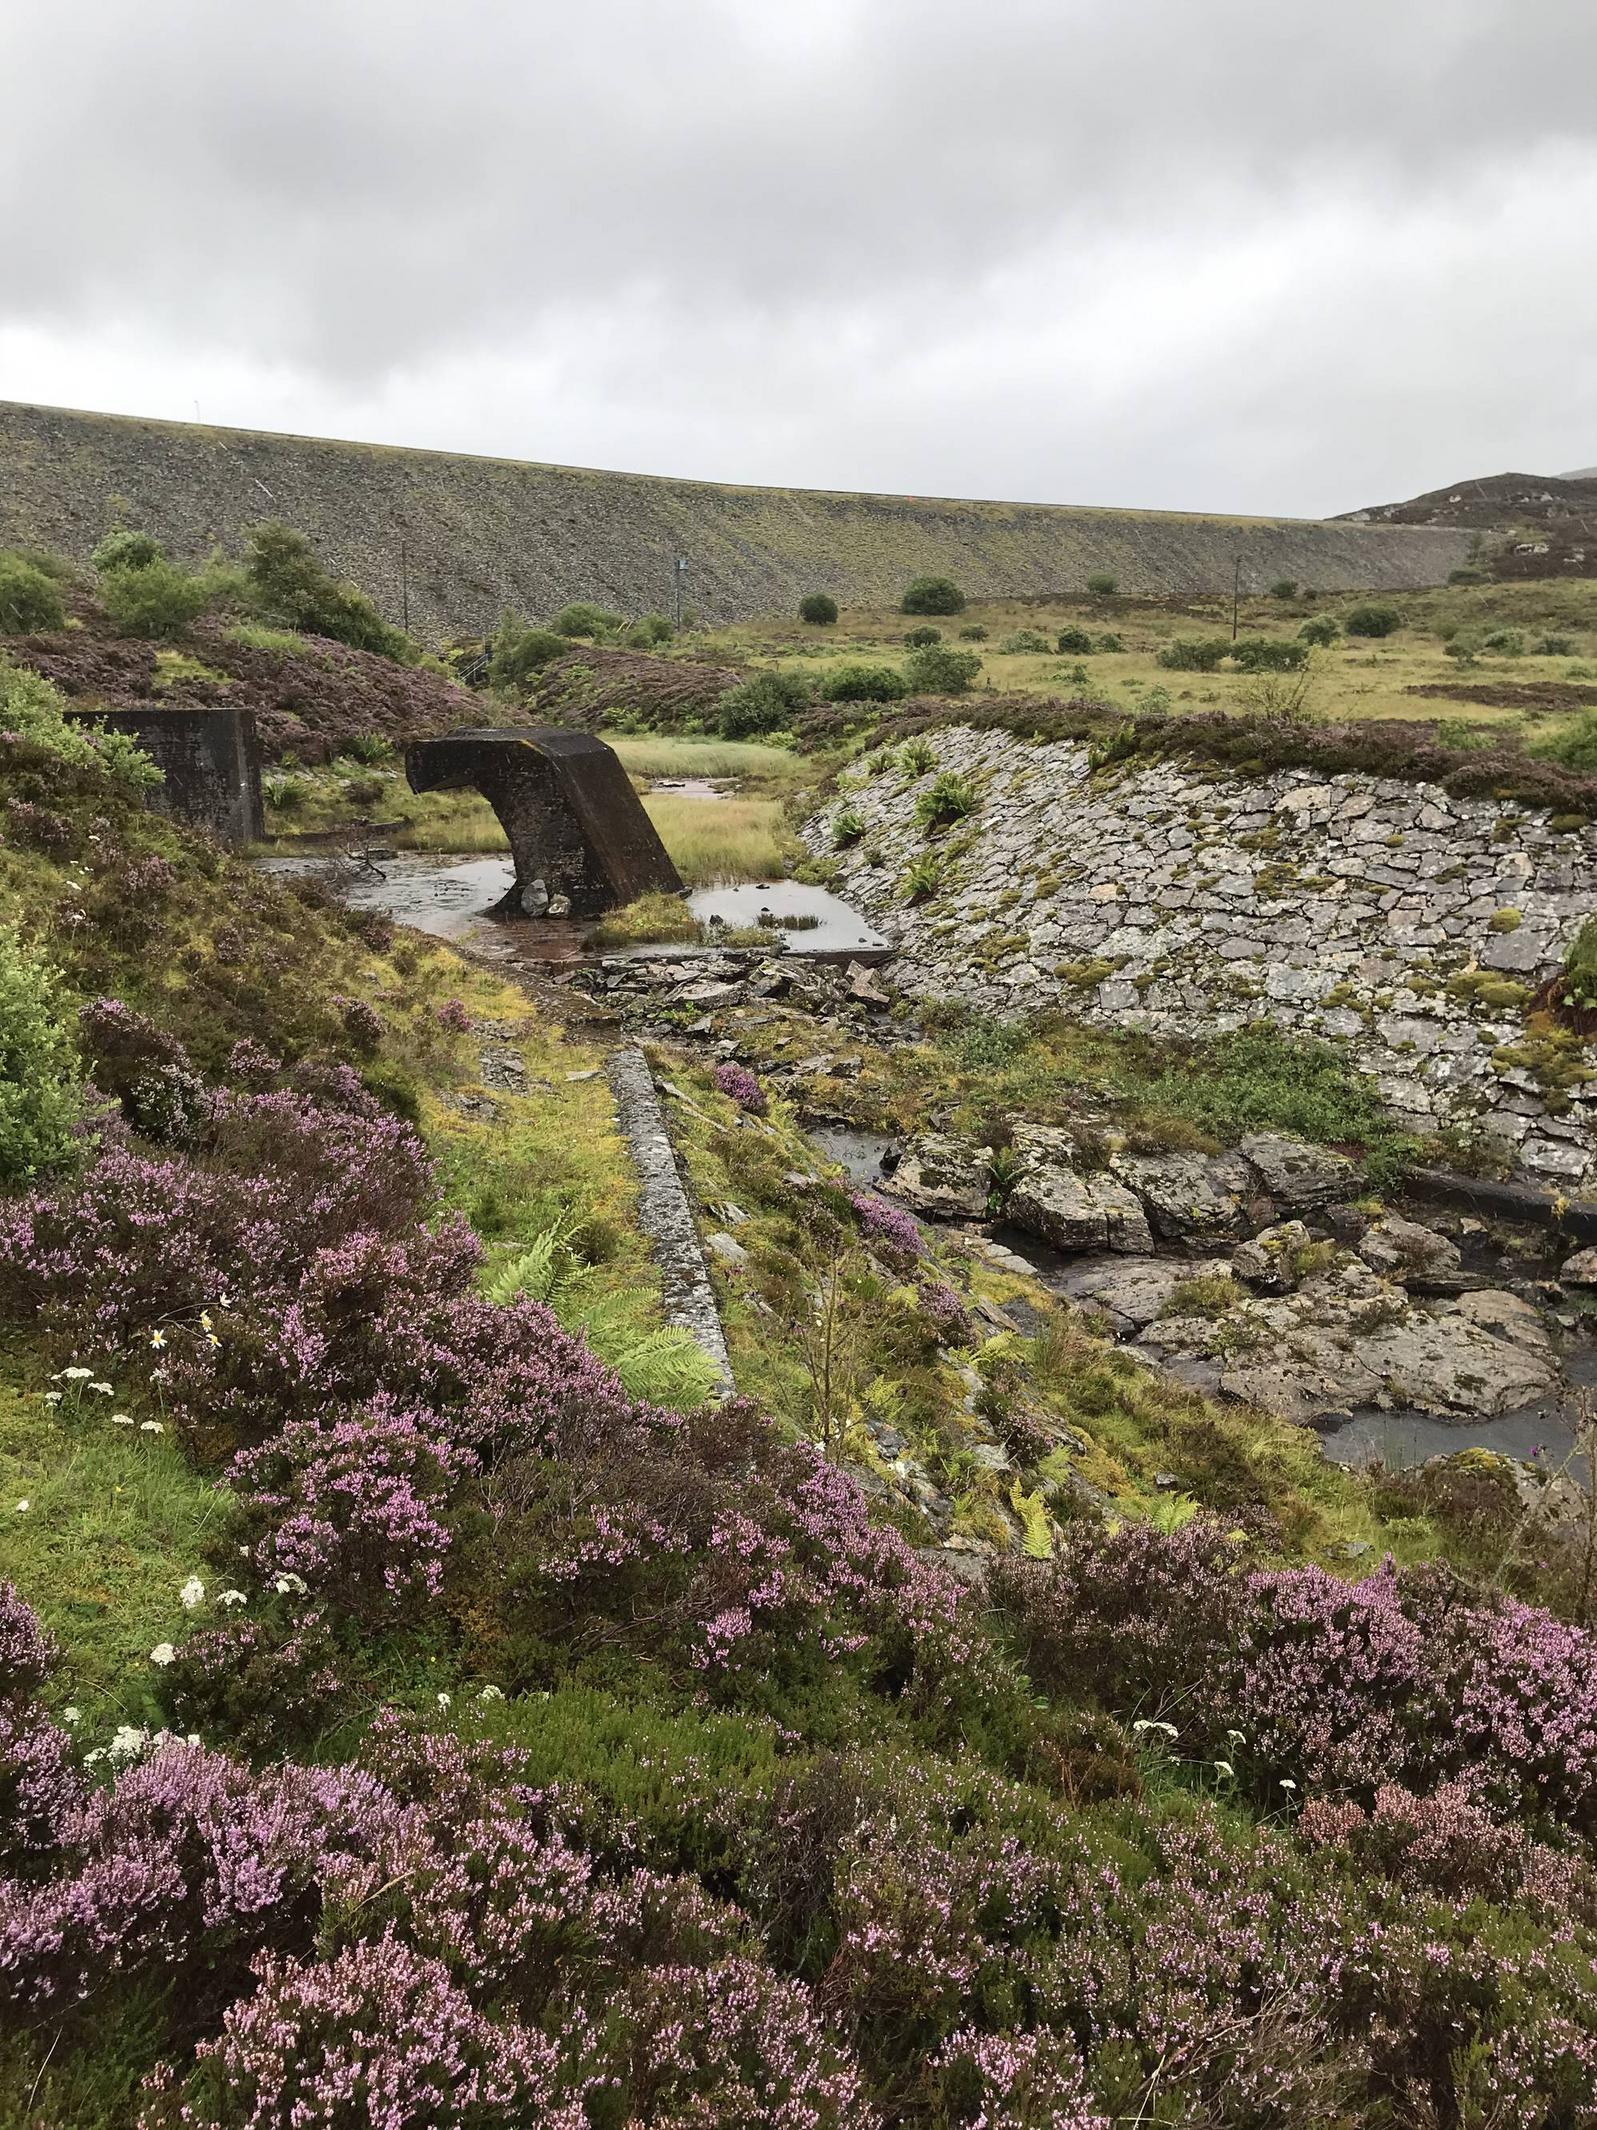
<point x="836" y="927"/>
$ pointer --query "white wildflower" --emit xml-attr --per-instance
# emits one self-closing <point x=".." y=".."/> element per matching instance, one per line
<point x="162" y="1653"/>
<point x="52" y="1397"/>
<point x="157" y="1339"/>
<point x="443" y="1701"/>
<point x="291" y="1584"/>
<point x="23" y="1506"/>
<point x="151" y="1427"/>
<point x="69" y="1716"/>
<point x="231" y="1598"/>
<point x="1235" y="1738"/>
<point x="121" y="1419"/>
<point x="1150" y="1723"/>
<point x="1287" y="1783"/>
<point x="492" y="1693"/>
<point x="76" y="1375"/>
<point x="205" y="1320"/>
<point x="192" y="1594"/>
<point x="127" y="1743"/>
<point x="104" y="1389"/>
<point x="1224" y="1767"/>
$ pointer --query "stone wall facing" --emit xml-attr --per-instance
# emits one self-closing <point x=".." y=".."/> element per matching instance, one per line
<point x="211" y="762"/>
<point x="1408" y="925"/>
<point x="458" y="539"/>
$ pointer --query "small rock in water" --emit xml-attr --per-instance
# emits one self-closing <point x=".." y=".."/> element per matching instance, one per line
<point x="535" y="899"/>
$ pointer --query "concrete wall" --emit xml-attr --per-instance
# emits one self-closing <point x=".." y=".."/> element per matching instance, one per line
<point x="1407" y="925"/>
<point x="210" y="760"/>
<point x="481" y="534"/>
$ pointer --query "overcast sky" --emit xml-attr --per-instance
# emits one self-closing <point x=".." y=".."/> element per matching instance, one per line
<point x="1242" y="255"/>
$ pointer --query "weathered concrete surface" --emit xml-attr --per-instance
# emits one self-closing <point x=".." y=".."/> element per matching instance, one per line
<point x="481" y="534"/>
<point x="664" y="1213"/>
<point x="210" y="761"/>
<point x="577" y="828"/>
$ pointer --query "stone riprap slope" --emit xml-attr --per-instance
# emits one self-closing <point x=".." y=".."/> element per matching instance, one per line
<point x="1406" y="924"/>
<point x="482" y="534"/>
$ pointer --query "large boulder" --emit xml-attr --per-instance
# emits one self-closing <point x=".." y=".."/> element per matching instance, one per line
<point x="1190" y="1194"/>
<point x="1402" y="1250"/>
<point x="1299" y="1176"/>
<point x="943" y="1178"/>
<point x="1074" y="1212"/>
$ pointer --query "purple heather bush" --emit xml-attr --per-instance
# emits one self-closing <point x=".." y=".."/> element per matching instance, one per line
<point x="454" y="1016"/>
<point x="887" y="1229"/>
<point x="1301" y="1680"/>
<point x="740" y="1085"/>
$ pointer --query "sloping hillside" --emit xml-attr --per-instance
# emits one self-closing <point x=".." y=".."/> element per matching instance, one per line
<point x="453" y="540"/>
<point x="1545" y="524"/>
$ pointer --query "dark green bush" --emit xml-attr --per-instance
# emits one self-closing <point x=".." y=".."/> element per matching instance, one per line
<point x="973" y="632"/>
<point x="1074" y="640"/>
<point x="1109" y="641"/>
<point x="1284" y="588"/>
<point x="764" y="704"/>
<point x="1466" y="575"/>
<point x="1270" y="654"/>
<point x="1102" y="583"/>
<point x="862" y="684"/>
<point x="1573" y="748"/>
<point x="1374" y="620"/>
<point x="1507" y="643"/>
<point x="30" y="602"/>
<point x="287" y="584"/>
<point x="1556" y="647"/>
<point x="650" y="632"/>
<point x="937" y="670"/>
<point x="155" y="599"/>
<point x="819" y="609"/>
<point x="949" y="798"/>
<point x="933" y="595"/>
<point x="582" y="618"/>
<point x="917" y="639"/>
<point x="1194" y="654"/>
<point x="1025" y="640"/>
<point x="1322" y="629"/>
<point x="516" y="654"/>
<point x="125" y="549"/>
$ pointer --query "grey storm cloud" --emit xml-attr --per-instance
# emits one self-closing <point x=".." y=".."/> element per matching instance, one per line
<point x="1214" y="253"/>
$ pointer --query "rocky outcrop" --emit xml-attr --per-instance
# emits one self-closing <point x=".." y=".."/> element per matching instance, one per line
<point x="1390" y="919"/>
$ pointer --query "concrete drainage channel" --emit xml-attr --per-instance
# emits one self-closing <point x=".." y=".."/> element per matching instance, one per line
<point x="664" y="1212"/>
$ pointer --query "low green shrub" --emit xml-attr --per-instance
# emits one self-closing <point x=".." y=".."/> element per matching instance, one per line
<point x="582" y="618"/>
<point x="126" y="549"/>
<point x="1075" y="641"/>
<point x="517" y="654"/>
<point x="1320" y="629"/>
<point x="1194" y="654"/>
<point x="649" y="632"/>
<point x="1465" y="575"/>
<point x="932" y="595"/>
<point x="30" y="601"/>
<point x="36" y="711"/>
<point x="1270" y="654"/>
<point x="155" y="599"/>
<point x="1507" y="643"/>
<point x="819" y="609"/>
<point x="766" y="703"/>
<point x="847" y="828"/>
<point x="41" y="1094"/>
<point x="1373" y="620"/>
<point x="1574" y="747"/>
<point x="923" y="877"/>
<point x="1102" y="583"/>
<point x="859" y="683"/>
<point x="1025" y="640"/>
<point x="1556" y="647"/>
<point x="286" y="583"/>
<point x="1464" y="645"/>
<point x="1284" y="588"/>
<point x="973" y="632"/>
<point x="916" y="757"/>
<point x="1109" y="641"/>
<point x="938" y="670"/>
<point x="918" y="639"/>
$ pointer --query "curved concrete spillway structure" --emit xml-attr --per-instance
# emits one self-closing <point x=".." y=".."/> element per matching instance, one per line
<point x="574" y="821"/>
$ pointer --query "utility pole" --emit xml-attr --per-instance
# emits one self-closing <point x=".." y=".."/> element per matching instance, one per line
<point x="679" y="573"/>
<point x="1236" y="593"/>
